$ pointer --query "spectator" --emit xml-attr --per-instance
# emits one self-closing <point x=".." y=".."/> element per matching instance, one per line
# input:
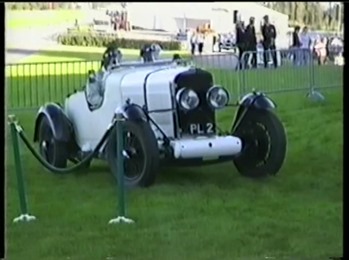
<point x="193" y="41"/>
<point x="146" y="53"/>
<point x="305" y="46"/>
<point x="156" y="48"/>
<point x="320" y="50"/>
<point x="240" y="41"/>
<point x="251" y="41"/>
<point x="269" y="35"/>
<point x="328" y="45"/>
<point x="296" y="44"/>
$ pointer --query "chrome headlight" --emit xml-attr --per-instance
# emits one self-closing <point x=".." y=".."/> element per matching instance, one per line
<point x="217" y="97"/>
<point x="187" y="99"/>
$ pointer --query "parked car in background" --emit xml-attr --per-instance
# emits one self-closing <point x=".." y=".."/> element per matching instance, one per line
<point x="335" y="47"/>
<point x="225" y="41"/>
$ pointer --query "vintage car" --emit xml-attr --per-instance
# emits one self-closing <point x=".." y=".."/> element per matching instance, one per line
<point x="225" y="41"/>
<point x="170" y="116"/>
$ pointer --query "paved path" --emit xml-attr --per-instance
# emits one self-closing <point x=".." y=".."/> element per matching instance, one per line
<point x="21" y="44"/>
<point x="29" y="39"/>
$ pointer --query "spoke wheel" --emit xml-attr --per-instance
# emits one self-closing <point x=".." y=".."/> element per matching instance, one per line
<point x="141" y="154"/>
<point x="264" y="144"/>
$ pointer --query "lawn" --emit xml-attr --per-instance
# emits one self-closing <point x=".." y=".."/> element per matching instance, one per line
<point x="25" y="19"/>
<point x="190" y="213"/>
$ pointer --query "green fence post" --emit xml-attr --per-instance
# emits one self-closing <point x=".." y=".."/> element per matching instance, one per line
<point x="120" y="172"/>
<point x="19" y="172"/>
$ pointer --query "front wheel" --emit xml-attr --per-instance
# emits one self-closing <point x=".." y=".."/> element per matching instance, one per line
<point x="141" y="154"/>
<point x="264" y="144"/>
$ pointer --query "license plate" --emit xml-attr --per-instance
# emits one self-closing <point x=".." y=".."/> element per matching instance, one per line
<point x="200" y="129"/>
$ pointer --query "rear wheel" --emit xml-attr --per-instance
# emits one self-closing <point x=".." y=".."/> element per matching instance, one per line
<point x="52" y="150"/>
<point x="264" y="144"/>
<point x="141" y="154"/>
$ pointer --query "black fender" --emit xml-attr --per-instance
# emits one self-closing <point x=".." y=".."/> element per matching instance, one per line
<point x="256" y="100"/>
<point x="134" y="112"/>
<point x="60" y="124"/>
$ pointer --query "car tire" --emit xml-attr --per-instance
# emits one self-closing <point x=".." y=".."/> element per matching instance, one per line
<point x="53" y="151"/>
<point x="264" y="144"/>
<point x="147" y="148"/>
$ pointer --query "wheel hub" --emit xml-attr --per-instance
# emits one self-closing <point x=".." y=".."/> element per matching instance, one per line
<point x="134" y="162"/>
<point x="257" y="140"/>
<point x="44" y="145"/>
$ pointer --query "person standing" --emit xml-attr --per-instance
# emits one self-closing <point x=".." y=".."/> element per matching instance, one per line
<point x="269" y="35"/>
<point x="251" y="41"/>
<point x="305" y="46"/>
<point x="200" y="41"/>
<point x="296" y="44"/>
<point x="320" y="49"/>
<point x="193" y="41"/>
<point x="241" y="41"/>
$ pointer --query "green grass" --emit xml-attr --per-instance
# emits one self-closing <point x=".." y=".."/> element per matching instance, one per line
<point x="38" y="19"/>
<point x="194" y="213"/>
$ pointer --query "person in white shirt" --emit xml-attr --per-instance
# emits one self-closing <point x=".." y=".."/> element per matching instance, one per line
<point x="156" y="50"/>
<point x="193" y="41"/>
<point x="305" y="46"/>
<point x="320" y="50"/>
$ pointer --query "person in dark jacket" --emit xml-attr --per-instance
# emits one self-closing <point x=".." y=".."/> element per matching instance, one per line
<point x="251" y="41"/>
<point x="269" y="35"/>
<point x="146" y="53"/>
<point x="296" y="44"/>
<point x="240" y="40"/>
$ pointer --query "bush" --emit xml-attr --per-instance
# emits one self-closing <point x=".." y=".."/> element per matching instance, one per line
<point x="99" y="40"/>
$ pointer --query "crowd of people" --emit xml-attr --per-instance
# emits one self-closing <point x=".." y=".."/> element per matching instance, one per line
<point x="302" y="50"/>
<point x="304" y="46"/>
<point x="197" y="39"/>
<point x="118" y="20"/>
<point x="246" y="41"/>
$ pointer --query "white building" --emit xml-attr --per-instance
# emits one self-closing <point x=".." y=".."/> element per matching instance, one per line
<point x="172" y="16"/>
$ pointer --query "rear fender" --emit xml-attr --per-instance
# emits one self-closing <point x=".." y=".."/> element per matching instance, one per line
<point x="255" y="100"/>
<point x="61" y="126"/>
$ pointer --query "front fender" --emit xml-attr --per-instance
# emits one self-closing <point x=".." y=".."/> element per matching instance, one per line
<point x="59" y="122"/>
<point x="254" y="100"/>
<point x="133" y="112"/>
<point x="258" y="101"/>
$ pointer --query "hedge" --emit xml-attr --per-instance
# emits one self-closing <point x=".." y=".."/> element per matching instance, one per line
<point x="103" y="40"/>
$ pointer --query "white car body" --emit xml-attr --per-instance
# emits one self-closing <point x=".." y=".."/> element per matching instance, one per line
<point x="155" y="84"/>
<point x="169" y="115"/>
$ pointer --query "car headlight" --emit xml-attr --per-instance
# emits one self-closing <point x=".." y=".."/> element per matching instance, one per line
<point x="217" y="97"/>
<point x="187" y="99"/>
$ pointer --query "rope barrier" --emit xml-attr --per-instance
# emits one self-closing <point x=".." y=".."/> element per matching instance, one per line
<point x="17" y="131"/>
